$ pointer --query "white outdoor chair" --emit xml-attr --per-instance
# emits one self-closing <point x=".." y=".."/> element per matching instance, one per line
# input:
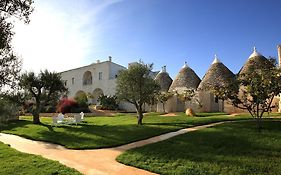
<point x="60" y="118"/>
<point x="55" y="120"/>
<point x="77" y="119"/>
<point x="82" y="115"/>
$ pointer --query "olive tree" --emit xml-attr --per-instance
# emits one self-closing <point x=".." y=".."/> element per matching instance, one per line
<point x="135" y="86"/>
<point x="42" y="88"/>
<point x="10" y="65"/>
<point x="163" y="97"/>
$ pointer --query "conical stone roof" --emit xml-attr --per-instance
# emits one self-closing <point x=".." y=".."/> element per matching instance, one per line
<point x="164" y="79"/>
<point x="217" y="75"/>
<point x="255" y="61"/>
<point x="185" y="79"/>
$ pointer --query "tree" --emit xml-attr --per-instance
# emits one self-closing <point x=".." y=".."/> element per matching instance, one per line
<point x="253" y="90"/>
<point x="163" y="97"/>
<point x="135" y="86"/>
<point x="187" y="95"/>
<point x="20" y="9"/>
<point x="10" y="65"/>
<point x="43" y="88"/>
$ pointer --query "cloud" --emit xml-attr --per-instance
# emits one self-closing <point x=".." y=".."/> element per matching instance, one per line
<point x="59" y="36"/>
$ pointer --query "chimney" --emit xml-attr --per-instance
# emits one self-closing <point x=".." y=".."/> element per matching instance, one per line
<point x="279" y="55"/>
<point x="110" y="58"/>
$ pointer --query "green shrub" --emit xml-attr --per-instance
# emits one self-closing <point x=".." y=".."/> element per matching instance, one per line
<point x="82" y="100"/>
<point x="8" y="110"/>
<point x="108" y="102"/>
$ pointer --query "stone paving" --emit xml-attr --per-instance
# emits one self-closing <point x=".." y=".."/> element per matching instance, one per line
<point x="90" y="162"/>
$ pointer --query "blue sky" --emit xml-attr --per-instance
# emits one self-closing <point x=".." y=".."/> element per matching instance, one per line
<point x="65" y="34"/>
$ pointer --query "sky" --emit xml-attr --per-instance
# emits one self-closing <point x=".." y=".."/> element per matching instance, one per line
<point x="66" y="34"/>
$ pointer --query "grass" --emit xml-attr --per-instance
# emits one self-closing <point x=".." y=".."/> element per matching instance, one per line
<point x="101" y="132"/>
<point x="230" y="148"/>
<point x="15" y="162"/>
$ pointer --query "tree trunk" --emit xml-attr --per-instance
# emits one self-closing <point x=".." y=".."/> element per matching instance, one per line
<point x="36" y="119"/>
<point x="259" y="127"/>
<point x="36" y="113"/>
<point x="259" y="115"/>
<point x="140" y="115"/>
<point x="152" y="108"/>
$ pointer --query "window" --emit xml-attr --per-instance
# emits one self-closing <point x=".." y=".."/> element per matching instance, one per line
<point x="72" y="80"/>
<point x="87" y="78"/>
<point x="65" y="82"/>
<point x="100" y="75"/>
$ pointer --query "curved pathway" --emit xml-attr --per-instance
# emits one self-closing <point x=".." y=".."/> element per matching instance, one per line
<point x="90" y="162"/>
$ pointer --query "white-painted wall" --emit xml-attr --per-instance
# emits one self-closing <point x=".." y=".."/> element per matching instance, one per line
<point x="107" y="84"/>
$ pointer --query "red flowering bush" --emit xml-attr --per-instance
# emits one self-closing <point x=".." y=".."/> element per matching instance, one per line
<point x="66" y="105"/>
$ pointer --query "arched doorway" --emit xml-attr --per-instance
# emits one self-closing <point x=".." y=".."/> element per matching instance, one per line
<point x="96" y="93"/>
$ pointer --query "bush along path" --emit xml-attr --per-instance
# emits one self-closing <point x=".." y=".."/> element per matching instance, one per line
<point x="90" y="162"/>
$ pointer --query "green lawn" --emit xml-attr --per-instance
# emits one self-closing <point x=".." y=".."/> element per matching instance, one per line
<point x="15" y="162"/>
<point x="231" y="148"/>
<point x="100" y="132"/>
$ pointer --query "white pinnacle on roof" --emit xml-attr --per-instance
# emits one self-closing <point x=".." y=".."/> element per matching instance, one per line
<point x="163" y="69"/>
<point x="185" y="65"/>
<point x="255" y="53"/>
<point x="216" y="60"/>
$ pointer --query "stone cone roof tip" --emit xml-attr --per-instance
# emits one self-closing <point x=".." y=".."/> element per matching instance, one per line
<point x="216" y="60"/>
<point x="185" y="65"/>
<point x="164" y="79"/>
<point x="217" y="75"/>
<point x="186" y="78"/>
<point x="255" y="53"/>
<point x="255" y="61"/>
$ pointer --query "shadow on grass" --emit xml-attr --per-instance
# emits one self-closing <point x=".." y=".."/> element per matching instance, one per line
<point x="14" y="124"/>
<point x="85" y="135"/>
<point x="22" y="124"/>
<point x="50" y="127"/>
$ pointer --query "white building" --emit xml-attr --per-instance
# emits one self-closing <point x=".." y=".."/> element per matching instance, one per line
<point x="96" y="79"/>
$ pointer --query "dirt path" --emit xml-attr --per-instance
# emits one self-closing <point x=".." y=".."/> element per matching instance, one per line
<point x="90" y="162"/>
